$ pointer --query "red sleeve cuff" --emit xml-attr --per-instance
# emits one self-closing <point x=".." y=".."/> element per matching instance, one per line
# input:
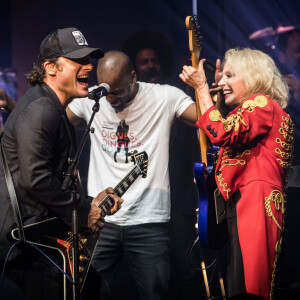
<point x="201" y="123"/>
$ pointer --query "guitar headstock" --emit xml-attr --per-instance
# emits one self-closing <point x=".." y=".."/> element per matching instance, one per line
<point x="141" y="161"/>
<point x="195" y="37"/>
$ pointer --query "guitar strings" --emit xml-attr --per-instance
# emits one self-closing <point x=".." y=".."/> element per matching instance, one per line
<point x="125" y="179"/>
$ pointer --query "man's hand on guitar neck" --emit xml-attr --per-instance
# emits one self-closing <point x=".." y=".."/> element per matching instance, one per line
<point x="95" y="220"/>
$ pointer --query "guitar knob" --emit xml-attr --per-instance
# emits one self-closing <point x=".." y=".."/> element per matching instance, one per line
<point x="81" y="269"/>
<point x="82" y="257"/>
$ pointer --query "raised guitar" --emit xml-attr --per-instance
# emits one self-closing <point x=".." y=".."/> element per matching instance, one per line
<point x="208" y="230"/>
<point x="55" y="234"/>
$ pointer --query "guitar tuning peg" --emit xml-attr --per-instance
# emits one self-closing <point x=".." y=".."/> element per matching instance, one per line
<point x="133" y="152"/>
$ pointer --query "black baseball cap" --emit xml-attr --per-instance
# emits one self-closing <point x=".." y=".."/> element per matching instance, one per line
<point x="69" y="43"/>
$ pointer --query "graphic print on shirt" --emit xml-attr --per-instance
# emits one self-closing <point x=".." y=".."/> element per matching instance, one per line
<point x="123" y="139"/>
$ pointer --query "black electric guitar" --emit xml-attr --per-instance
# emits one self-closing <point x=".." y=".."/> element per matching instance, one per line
<point x="55" y="234"/>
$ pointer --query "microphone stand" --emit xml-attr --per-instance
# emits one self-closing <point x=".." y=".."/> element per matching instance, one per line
<point x="69" y="181"/>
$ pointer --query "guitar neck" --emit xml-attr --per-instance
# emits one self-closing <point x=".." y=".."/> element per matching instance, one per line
<point x="195" y="48"/>
<point x="202" y="135"/>
<point x="107" y="203"/>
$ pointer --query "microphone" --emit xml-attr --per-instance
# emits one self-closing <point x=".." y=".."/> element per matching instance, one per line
<point x="100" y="91"/>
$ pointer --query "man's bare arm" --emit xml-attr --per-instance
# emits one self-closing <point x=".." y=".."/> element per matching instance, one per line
<point x="74" y="119"/>
<point x="189" y="116"/>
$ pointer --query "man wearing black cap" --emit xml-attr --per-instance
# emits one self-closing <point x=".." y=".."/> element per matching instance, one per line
<point x="38" y="140"/>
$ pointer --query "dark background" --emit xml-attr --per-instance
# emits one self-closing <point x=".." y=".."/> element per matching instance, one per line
<point x="107" y="23"/>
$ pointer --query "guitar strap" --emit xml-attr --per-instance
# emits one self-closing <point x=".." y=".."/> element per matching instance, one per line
<point x="12" y="194"/>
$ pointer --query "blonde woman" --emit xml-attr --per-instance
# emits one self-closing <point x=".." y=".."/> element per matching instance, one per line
<point x="255" y="142"/>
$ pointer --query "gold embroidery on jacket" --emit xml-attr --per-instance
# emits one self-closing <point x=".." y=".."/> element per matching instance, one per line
<point x="232" y="162"/>
<point x="232" y="153"/>
<point x="232" y="120"/>
<point x="284" y="145"/>
<point x="277" y="198"/>
<point x="284" y="164"/>
<point x="286" y="135"/>
<point x="258" y="101"/>
<point x="215" y="116"/>
<point x="232" y="158"/>
<point x="277" y="253"/>
<point x="224" y="185"/>
<point x="288" y="120"/>
<point x="283" y="154"/>
<point x="286" y="130"/>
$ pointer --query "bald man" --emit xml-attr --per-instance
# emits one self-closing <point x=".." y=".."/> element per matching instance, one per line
<point x="139" y="230"/>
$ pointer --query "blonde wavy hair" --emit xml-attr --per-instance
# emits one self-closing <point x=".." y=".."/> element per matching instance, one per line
<point x="259" y="73"/>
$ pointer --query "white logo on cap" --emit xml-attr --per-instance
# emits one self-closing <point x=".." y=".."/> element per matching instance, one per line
<point x="80" y="39"/>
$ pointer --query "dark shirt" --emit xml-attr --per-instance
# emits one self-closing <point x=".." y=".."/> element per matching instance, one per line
<point x="38" y="140"/>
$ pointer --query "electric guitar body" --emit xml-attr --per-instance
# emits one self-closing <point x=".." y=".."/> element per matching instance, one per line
<point x="53" y="233"/>
<point x="210" y="233"/>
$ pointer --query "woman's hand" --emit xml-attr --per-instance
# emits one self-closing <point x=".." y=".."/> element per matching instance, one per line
<point x="195" y="78"/>
<point x="218" y="77"/>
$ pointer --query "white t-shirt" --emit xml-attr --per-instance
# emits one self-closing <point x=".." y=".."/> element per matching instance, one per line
<point x="149" y="118"/>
